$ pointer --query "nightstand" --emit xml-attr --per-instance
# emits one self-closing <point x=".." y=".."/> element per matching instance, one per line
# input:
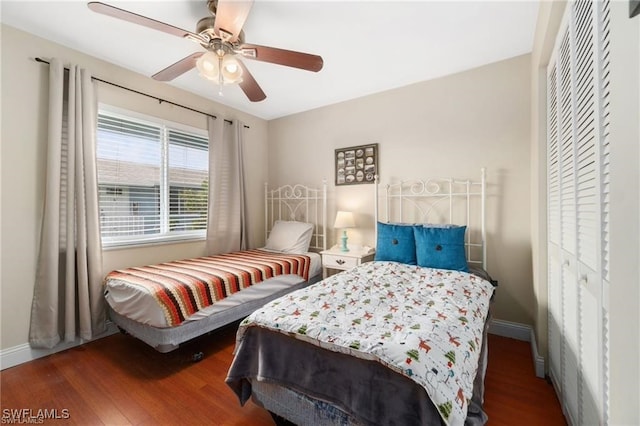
<point x="343" y="260"/>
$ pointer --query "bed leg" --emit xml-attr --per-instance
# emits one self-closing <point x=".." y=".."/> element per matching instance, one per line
<point x="196" y="357"/>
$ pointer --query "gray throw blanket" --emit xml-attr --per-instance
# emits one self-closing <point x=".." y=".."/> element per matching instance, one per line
<point x="365" y="390"/>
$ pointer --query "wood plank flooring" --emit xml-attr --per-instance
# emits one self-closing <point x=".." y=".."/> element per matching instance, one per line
<point x="119" y="380"/>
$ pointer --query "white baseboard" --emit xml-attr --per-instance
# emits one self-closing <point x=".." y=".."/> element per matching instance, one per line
<point x="17" y="355"/>
<point x="538" y="360"/>
<point x="522" y="332"/>
<point x="509" y="329"/>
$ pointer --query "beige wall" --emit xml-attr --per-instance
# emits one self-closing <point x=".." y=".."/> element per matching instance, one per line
<point x="24" y="121"/>
<point x="449" y="127"/>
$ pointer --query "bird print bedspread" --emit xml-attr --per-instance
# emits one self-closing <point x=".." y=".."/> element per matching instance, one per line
<point x="424" y="323"/>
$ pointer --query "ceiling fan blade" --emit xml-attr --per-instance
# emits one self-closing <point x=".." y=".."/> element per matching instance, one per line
<point x="230" y="18"/>
<point x="125" y="15"/>
<point x="177" y="69"/>
<point x="289" y="58"/>
<point x="250" y="86"/>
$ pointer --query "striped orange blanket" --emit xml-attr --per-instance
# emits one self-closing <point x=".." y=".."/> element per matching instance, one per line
<point x="184" y="287"/>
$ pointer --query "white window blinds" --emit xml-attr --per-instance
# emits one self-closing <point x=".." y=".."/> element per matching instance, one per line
<point x="153" y="180"/>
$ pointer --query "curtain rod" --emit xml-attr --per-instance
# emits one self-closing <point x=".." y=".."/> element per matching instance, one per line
<point x="146" y="94"/>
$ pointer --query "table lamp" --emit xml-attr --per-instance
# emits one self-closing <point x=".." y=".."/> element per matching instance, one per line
<point x="344" y="220"/>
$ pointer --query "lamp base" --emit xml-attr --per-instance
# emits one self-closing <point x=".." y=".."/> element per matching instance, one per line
<point x="344" y="241"/>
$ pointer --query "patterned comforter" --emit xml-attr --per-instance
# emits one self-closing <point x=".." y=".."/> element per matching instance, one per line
<point x="183" y="287"/>
<point x="423" y="323"/>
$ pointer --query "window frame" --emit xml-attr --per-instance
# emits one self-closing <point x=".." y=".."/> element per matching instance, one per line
<point x="165" y="236"/>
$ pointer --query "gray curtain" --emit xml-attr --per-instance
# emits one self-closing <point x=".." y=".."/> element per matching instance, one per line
<point x="227" y="224"/>
<point x="67" y="298"/>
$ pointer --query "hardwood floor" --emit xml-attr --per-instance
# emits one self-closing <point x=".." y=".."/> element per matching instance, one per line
<point x="513" y="393"/>
<point x="121" y="381"/>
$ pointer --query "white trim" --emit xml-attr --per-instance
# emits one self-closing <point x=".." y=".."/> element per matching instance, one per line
<point x="510" y="329"/>
<point x="521" y="332"/>
<point x="538" y="360"/>
<point x="20" y="354"/>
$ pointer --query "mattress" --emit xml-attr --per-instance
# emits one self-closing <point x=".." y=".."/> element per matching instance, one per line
<point x="141" y="307"/>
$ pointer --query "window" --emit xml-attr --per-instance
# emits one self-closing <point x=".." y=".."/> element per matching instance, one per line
<point x="153" y="180"/>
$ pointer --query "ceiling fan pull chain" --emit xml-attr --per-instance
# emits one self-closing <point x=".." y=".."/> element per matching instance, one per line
<point x="220" y="75"/>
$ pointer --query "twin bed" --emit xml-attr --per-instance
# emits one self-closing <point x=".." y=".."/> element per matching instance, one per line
<point x="400" y="340"/>
<point x="168" y="304"/>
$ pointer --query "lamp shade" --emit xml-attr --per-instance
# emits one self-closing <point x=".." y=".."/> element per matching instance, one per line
<point x="231" y="70"/>
<point x="344" y="220"/>
<point x="211" y="66"/>
<point x="208" y="66"/>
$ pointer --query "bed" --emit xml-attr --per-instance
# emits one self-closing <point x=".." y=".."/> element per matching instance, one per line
<point x="400" y="340"/>
<point x="170" y="303"/>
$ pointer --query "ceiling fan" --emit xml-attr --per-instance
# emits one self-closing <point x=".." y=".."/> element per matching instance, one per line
<point x="223" y="39"/>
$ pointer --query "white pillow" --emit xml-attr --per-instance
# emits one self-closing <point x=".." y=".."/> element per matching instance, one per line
<point x="290" y="237"/>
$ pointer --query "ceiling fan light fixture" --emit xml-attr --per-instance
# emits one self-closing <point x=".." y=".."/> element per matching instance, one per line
<point x="212" y="67"/>
<point x="208" y="66"/>
<point x="231" y="70"/>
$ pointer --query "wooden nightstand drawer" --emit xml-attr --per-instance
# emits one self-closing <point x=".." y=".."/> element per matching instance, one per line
<point x="339" y="262"/>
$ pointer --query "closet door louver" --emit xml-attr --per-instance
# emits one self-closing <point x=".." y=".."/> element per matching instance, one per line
<point x="553" y="237"/>
<point x="602" y="20"/>
<point x="577" y="199"/>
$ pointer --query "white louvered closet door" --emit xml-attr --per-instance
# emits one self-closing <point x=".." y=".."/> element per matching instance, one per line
<point x="577" y="199"/>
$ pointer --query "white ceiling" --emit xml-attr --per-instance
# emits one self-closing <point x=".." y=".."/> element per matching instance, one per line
<point x="367" y="46"/>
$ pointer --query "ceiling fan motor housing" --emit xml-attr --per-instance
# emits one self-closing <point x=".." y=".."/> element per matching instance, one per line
<point x="205" y="27"/>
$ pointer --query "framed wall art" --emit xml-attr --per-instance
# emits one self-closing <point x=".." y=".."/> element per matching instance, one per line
<point x="356" y="164"/>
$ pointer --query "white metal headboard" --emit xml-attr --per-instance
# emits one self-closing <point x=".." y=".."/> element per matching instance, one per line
<point x="440" y="200"/>
<point x="301" y="203"/>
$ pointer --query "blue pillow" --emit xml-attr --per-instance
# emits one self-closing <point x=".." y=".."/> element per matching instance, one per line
<point x="441" y="248"/>
<point x="396" y="243"/>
